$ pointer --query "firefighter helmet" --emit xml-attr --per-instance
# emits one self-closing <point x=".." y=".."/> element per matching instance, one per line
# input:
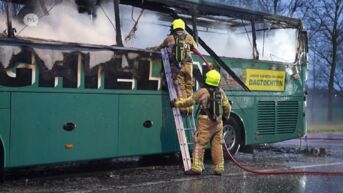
<point x="212" y="78"/>
<point x="179" y="24"/>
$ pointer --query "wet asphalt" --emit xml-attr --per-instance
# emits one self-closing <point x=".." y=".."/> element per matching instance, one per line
<point x="166" y="175"/>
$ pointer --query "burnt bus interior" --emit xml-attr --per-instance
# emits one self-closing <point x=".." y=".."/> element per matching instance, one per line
<point x="203" y="19"/>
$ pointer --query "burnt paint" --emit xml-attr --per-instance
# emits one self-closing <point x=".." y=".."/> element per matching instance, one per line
<point x="68" y="69"/>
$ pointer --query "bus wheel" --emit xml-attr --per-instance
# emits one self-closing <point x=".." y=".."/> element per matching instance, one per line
<point x="232" y="136"/>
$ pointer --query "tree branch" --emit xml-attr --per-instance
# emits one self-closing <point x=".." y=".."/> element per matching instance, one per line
<point x="321" y="55"/>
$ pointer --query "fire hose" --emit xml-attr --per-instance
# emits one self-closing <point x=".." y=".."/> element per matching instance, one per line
<point x="277" y="172"/>
<point x="208" y="65"/>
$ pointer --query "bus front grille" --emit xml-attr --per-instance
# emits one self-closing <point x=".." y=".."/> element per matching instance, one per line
<point x="276" y="117"/>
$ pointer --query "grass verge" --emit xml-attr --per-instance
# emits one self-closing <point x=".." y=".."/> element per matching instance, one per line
<point x="325" y="128"/>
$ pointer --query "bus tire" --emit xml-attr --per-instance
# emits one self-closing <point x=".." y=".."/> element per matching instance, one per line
<point x="232" y="136"/>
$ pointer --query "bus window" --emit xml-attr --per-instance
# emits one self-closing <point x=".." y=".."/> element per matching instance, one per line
<point x="228" y="83"/>
<point x="233" y="38"/>
<point x="277" y="44"/>
<point x="225" y="39"/>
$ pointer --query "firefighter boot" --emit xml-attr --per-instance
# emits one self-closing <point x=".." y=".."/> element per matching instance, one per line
<point x="219" y="168"/>
<point x="200" y="139"/>
<point x="181" y="93"/>
<point x="192" y="173"/>
<point x="197" y="167"/>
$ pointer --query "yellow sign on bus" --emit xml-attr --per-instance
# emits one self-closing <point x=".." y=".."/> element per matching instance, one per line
<point x="268" y="80"/>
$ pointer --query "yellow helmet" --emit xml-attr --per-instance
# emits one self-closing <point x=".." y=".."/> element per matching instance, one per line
<point x="179" y="23"/>
<point x="212" y="78"/>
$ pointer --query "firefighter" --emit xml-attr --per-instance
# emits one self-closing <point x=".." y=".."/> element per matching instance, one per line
<point x="214" y="107"/>
<point x="180" y="46"/>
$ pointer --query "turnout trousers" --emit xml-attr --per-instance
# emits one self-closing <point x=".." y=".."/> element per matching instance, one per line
<point x="183" y="82"/>
<point x="208" y="131"/>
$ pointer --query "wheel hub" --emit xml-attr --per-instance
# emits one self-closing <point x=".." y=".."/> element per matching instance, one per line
<point x="229" y="136"/>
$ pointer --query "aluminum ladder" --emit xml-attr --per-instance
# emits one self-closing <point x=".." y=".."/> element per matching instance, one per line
<point x="179" y="122"/>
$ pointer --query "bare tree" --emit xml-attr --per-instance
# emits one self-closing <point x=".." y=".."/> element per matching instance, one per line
<point x="325" y="22"/>
<point x="270" y="6"/>
<point x="280" y="7"/>
<point x="338" y="81"/>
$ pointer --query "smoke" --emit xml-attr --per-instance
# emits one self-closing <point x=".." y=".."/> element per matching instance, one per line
<point x="49" y="57"/>
<point x="65" y="23"/>
<point x="276" y="45"/>
<point x="3" y="25"/>
<point x="151" y="30"/>
<point x="229" y="43"/>
<point x="99" y="57"/>
<point x="6" y="53"/>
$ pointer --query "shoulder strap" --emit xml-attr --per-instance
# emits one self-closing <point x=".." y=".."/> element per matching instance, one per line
<point x="184" y="36"/>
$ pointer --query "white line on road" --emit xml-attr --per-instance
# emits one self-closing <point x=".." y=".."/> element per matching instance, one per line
<point x="317" y="165"/>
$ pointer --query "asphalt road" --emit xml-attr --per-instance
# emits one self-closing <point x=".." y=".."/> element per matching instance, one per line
<point x="167" y="176"/>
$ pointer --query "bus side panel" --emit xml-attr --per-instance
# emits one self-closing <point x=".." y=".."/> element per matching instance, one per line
<point x="4" y="100"/>
<point x="137" y="139"/>
<point x="38" y="135"/>
<point x="4" y="132"/>
<point x="244" y="107"/>
<point x="5" y="123"/>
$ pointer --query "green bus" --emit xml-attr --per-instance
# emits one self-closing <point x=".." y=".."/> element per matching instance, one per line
<point x="71" y="89"/>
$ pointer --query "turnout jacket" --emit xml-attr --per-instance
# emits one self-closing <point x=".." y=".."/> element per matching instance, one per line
<point x="201" y="97"/>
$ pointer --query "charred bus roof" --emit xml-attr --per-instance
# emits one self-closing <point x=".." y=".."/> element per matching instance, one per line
<point x="209" y="9"/>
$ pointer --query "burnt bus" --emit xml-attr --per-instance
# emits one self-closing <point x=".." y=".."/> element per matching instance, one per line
<point x="91" y="90"/>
